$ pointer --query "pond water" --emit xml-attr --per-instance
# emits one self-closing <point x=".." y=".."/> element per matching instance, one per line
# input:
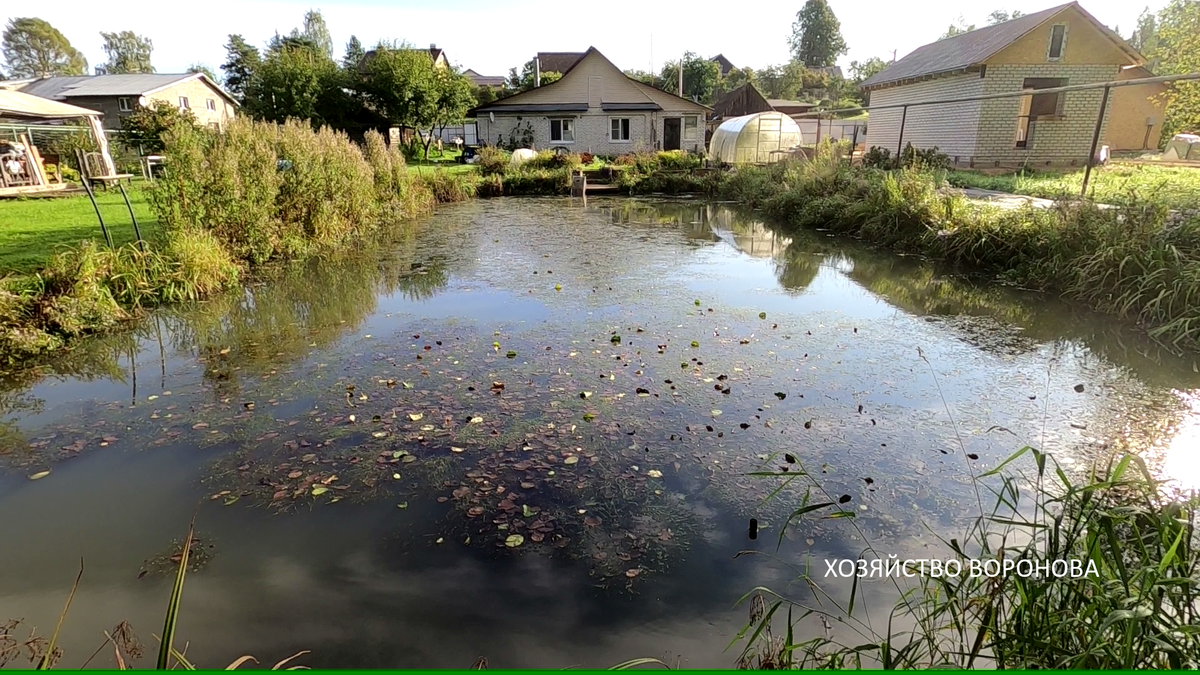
<point x="524" y="431"/>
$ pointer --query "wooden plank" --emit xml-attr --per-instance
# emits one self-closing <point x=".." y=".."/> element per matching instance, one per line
<point x="35" y="163"/>
<point x="29" y="190"/>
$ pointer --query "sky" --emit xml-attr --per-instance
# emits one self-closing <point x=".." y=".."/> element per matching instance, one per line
<point x="492" y="36"/>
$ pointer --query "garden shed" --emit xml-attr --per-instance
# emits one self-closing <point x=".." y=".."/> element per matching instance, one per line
<point x="754" y="139"/>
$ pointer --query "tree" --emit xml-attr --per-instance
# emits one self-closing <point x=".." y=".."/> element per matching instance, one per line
<point x="861" y="70"/>
<point x="1000" y="16"/>
<point x="453" y="96"/>
<point x="293" y="82"/>
<point x="241" y="62"/>
<point x="1145" y="38"/>
<point x="203" y="68"/>
<point x="957" y="28"/>
<point x="641" y="76"/>
<point x="317" y="31"/>
<point x="700" y="77"/>
<point x="34" y="48"/>
<point x="524" y="80"/>
<point x="400" y="84"/>
<point x="354" y="54"/>
<point x="789" y="81"/>
<point x="143" y="128"/>
<point x="127" y="52"/>
<point x="484" y="94"/>
<point x="1178" y="52"/>
<point x="737" y="77"/>
<point x="817" y="35"/>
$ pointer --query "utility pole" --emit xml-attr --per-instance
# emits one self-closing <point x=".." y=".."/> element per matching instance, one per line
<point x="681" y="78"/>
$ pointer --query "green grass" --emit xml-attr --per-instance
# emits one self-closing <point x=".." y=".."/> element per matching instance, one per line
<point x="32" y="230"/>
<point x="1117" y="183"/>
<point x="423" y="167"/>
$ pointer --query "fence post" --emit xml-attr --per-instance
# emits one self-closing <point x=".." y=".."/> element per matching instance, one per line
<point x="1087" y="172"/>
<point x="900" y="141"/>
<point x="853" y="143"/>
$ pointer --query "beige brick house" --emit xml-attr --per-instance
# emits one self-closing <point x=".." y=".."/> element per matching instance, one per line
<point x="594" y="108"/>
<point x="116" y="96"/>
<point x="1056" y="47"/>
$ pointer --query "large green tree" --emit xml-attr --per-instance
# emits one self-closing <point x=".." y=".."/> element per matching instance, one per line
<point x="453" y="96"/>
<point x="242" y="60"/>
<point x="1145" y="36"/>
<point x="700" y="77"/>
<point x="816" y="39"/>
<point x="1178" y="52"/>
<point x="127" y="52"/>
<point x="399" y="83"/>
<point x="293" y="82"/>
<point x="198" y="67"/>
<point x="737" y="77"/>
<point x="790" y="81"/>
<point x="315" y="29"/>
<point x="34" y="48"/>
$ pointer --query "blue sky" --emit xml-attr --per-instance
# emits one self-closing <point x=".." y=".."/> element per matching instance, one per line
<point x="491" y="37"/>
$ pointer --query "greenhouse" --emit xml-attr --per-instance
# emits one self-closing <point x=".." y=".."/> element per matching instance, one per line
<point x="754" y="139"/>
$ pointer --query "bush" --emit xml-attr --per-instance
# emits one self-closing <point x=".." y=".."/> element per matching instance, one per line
<point x="910" y="157"/>
<point x="493" y="160"/>
<point x="586" y="158"/>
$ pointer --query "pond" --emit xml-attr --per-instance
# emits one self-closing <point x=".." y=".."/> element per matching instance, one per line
<point x="525" y="431"/>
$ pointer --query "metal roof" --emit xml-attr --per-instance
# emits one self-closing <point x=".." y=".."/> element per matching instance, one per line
<point x="558" y="62"/>
<point x="962" y="50"/>
<point x="131" y="84"/>
<point x="50" y="87"/>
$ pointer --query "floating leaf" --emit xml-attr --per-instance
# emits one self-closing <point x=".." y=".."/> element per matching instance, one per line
<point x="402" y="505"/>
<point x="526" y="511"/>
<point x="408" y="459"/>
<point x="616" y="339"/>
<point x="654" y="473"/>
<point x="631" y="573"/>
<point x="319" y="490"/>
<point x="558" y="287"/>
<point x="573" y="459"/>
<point x="477" y="420"/>
<point x="514" y="540"/>
<point x="585" y="394"/>
<point x="1079" y="388"/>
<point x="780" y="395"/>
<point x="716" y="413"/>
<point x="295" y="474"/>
<point x="40" y="475"/>
<point x="231" y="500"/>
<point x="416" y="417"/>
<point x="762" y="315"/>
<point x="511" y="354"/>
<point x="395" y="476"/>
<point x="697" y="303"/>
<point x="588" y="417"/>
<point x="379" y="434"/>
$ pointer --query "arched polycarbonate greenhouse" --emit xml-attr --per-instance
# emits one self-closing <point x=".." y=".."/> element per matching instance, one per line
<point x="754" y="139"/>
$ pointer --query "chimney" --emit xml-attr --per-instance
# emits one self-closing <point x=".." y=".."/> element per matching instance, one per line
<point x="537" y="71"/>
<point x="432" y="46"/>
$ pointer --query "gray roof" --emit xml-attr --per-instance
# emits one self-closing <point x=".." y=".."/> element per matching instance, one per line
<point x="961" y="51"/>
<point x="558" y="62"/>
<point x="50" y="87"/>
<point x="484" y="80"/>
<point x="134" y="84"/>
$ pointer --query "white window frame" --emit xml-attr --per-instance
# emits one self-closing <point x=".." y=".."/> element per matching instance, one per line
<point x="210" y="104"/>
<point x="684" y="137"/>
<point x="184" y="104"/>
<point x="1062" y="47"/>
<point x="614" y="133"/>
<point x="566" y="127"/>
<point x="124" y="105"/>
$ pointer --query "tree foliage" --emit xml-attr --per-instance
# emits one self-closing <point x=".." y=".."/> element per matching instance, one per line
<point x="1177" y="52"/>
<point x="354" y="54"/>
<point x="861" y="70"/>
<point x="316" y="30"/>
<point x="1001" y="15"/>
<point x="792" y="80"/>
<point x="203" y="68"/>
<point x="242" y="60"/>
<point x="524" y="79"/>
<point x="1145" y="36"/>
<point x="34" y="48"/>
<point x="127" y="52"/>
<point x="816" y="39"/>
<point x="737" y="77"/>
<point x="143" y="129"/>
<point x="293" y="82"/>
<point x="641" y="76"/>
<point x="959" y="27"/>
<point x="700" y="77"/>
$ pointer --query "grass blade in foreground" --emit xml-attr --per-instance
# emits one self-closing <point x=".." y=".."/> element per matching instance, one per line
<point x="48" y="657"/>
<point x="168" y="637"/>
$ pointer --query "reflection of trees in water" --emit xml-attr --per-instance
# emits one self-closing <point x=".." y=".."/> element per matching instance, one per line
<point x="692" y="218"/>
<point x="423" y="280"/>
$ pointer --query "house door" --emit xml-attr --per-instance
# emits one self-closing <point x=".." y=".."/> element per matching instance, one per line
<point x="671" y="132"/>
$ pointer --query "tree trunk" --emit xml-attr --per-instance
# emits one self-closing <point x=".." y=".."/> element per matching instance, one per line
<point x="428" y="142"/>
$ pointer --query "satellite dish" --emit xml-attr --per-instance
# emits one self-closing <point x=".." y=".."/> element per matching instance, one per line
<point x="492" y="117"/>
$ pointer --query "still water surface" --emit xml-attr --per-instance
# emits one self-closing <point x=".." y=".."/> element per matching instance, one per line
<point x="523" y="432"/>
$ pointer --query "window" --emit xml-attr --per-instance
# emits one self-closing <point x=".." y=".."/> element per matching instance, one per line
<point x="183" y="102"/>
<point x="562" y="131"/>
<point x="123" y="104"/>
<point x="1045" y="105"/>
<point x="620" y="130"/>
<point x="210" y="104"/>
<point x="1058" y="35"/>
<point x="690" y="124"/>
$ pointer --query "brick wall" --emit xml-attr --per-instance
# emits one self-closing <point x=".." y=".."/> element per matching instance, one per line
<point x="952" y="128"/>
<point x="1059" y="141"/>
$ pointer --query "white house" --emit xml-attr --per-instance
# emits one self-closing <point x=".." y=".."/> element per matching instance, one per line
<point x="594" y="108"/>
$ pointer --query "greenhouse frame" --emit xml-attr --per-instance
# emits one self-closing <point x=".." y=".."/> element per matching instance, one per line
<point x="754" y="139"/>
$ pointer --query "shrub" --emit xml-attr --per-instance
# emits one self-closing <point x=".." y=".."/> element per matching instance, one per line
<point x="929" y="158"/>
<point x="678" y="160"/>
<point x="493" y="160"/>
<point x="586" y="158"/>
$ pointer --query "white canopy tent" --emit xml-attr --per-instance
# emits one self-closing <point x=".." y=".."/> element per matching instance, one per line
<point x="754" y="139"/>
<point x="16" y="105"/>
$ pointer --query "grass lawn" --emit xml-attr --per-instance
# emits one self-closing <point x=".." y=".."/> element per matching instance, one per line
<point x="32" y="229"/>
<point x="433" y="165"/>
<point x="1117" y="183"/>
